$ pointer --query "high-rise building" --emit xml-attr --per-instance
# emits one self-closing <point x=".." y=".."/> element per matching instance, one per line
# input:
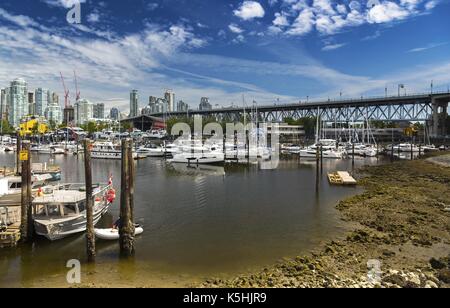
<point x="53" y="114"/>
<point x="84" y="111"/>
<point x="69" y="114"/>
<point x="17" y="101"/>
<point x="41" y="98"/>
<point x="55" y="98"/>
<point x="169" y="96"/>
<point x="204" y="104"/>
<point x="182" y="106"/>
<point x="99" y="111"/>
<point x="114" y="114"/>
<point x="31" y="104"/>
<point x="134" y="103"/>
<point x="2" y="103"/>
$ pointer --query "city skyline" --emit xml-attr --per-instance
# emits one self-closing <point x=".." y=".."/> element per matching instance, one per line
<point x="270" y="51"/>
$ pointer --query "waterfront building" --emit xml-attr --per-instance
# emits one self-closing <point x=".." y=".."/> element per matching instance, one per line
<point x="134" y="103"/>
<point x="169" y="96"/>
<point x="53" y="114"/>
<point x="114" y="114"/>
<point x="84" y="111"/>
<point x="205" y="104"/>
<point x="42" y="99"/>
<point x="99" y="111"/>
<point x="31" y="104"/>
<point x="17" y="101"/>
<point x="182" y="106"/>
<point x="3" y="104"/>
<point x="55" y="98"/>
<point x="69" y="115"/>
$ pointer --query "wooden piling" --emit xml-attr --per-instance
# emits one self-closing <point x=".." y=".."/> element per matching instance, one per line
<point x="353" y="154"/>
<point x="26" y="222"/>
<point x="90" y="234"/>
<point x="126" y="228"/>
<point x="18" y="148"/>
<point x="321" y="158"/>
<point x="247" y="144"/>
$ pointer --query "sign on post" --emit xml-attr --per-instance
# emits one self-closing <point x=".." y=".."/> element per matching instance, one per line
<point x="23" y="155"/>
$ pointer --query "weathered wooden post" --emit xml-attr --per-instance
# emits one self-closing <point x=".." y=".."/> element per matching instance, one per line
<point x="353" y="154"/>
<point x="26" y="222"/>
<point x="321" y="158"/>
<point x="90" y="234"/>
<point x="126" y="228"/>
<point x="247" y="144"/>
<point x="18" y="148"/>
<point x="392" y="151"/>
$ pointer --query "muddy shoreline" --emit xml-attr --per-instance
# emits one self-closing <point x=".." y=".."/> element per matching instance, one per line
<point x="400" y="235"/>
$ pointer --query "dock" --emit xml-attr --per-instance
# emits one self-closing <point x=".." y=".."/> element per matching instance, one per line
<point x="10" y="216"/>
<point x="341" y="178"/>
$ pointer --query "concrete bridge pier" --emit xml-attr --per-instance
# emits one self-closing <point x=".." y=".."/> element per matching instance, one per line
<point x="439" y="116"/>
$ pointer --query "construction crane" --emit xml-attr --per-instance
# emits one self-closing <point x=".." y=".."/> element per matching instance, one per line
<point x="66" y="92"/>
<point x="77" y="93"/>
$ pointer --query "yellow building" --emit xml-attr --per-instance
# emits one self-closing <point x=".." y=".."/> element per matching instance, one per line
<point x="26" y="128"/>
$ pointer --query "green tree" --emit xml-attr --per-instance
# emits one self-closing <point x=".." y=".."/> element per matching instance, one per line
<point x="6" y="127"/>
<point x="91" y="127"/>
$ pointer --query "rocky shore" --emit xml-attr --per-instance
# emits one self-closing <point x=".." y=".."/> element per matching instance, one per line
<point x="399" y="238"/>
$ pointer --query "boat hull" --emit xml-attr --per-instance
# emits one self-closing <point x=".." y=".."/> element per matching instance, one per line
<point x="64" y="229"/>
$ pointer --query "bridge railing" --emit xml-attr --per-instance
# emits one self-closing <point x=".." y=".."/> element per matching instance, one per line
<point x="319" y="102"/>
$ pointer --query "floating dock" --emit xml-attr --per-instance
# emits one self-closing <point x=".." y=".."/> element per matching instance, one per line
<point x="10" y="215"/>
<point x="341" y="178"/>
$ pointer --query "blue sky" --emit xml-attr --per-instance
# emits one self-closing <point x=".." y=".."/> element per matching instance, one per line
<point x="269" y="50"/>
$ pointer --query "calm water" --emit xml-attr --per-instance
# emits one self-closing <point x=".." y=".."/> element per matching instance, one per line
<point x="212" y="221"/>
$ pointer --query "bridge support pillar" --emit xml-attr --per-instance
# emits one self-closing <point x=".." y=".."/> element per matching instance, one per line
<point x="438" y="118"/>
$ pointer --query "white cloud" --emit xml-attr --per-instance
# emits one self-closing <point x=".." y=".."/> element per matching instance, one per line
<point x="333" y="46"/>
<point x="303" y="23"/>
<point x="250" y="10"/>
<point x="63" y="3"/>
<point x="235" y="28"/>
<point x="329" y="17"/>
<point x="386" y="12"/>
<point x="430" y="5"/>
<point x="280" y="20"/>
<point x="429" y="46"/>
<point x="93" y="17"/>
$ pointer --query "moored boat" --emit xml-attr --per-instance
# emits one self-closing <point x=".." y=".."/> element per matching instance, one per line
<point x="60" y="211"/>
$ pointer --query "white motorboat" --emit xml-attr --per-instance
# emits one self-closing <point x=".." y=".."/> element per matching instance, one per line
<point x="291" y="148"/>
<point x="13" y="184"/>
<point x="329" y="150"/>
<point x="60" y="211"/>
<point x="151" y="151"/>
<point x="112" y="234"/>
<point x="215" y="157"/>
<point x="362" y="149"/>
<point x="156" y="134"/>
<point x="108" y="150"/>
<point x="406" y="147"/>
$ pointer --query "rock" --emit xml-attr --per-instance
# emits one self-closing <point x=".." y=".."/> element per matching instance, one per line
<point x="388" y="253"/>
<point x="430" y="285"/>
<point x="395" y="279"/>
<point x="437" y="264"/>
<point x="444" y="275"/>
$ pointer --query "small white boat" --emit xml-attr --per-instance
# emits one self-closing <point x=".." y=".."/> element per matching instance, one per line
<point x="199" y="158"/>
<point x="112" y="234"/>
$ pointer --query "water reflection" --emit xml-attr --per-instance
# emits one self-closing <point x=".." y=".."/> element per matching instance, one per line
<point x="198" y="220"/>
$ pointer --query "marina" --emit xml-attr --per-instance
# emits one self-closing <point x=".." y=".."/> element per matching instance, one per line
<point x="206" y="146"/>
<point x="176" y="220"/>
